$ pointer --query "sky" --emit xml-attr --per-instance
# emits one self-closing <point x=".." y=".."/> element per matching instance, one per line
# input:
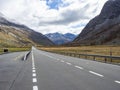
<point x="49" y="16"/>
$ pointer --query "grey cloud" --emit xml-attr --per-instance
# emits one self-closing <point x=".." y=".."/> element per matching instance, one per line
<point x="69" y="16"/>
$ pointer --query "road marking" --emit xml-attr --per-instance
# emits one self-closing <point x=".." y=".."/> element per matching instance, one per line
<point x="34" y="74"/>
<point x="79" y="67"/>
<point x="33" y="71"/>
<point x="48" y="56"/>
<point x="34" y="80"/>
<point x="117" y="82"/>
<point x="33" y="68"/>
<point x="96" y="73"/>
<point x="33" y="63"/>
<point x="18" y="57"/>
<point x="35" y="87"/>
<point x="62" y="61"/>
<point x="68" y="63"/>
<point x="32" y="57"/>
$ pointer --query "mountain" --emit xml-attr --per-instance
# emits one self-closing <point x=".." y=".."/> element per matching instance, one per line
<point x="59" y="38"/>
<point x="104" y="28"/>
<point x="12" y="34"/>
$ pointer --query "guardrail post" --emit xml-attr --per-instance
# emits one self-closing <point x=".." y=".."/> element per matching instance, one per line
<point x="94" y="58"/>
<point x="69" y="54"/>
<point x="105" y="59"/>
<point x="74" y="54"/>
<point x="66" y="54"/>
<point x="85" y="56"/>
<point x="111" y="58"/>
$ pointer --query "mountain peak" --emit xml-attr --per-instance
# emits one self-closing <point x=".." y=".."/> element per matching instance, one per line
<point x="59" y="38"/>
<point x="111" y="9"/>
<point x="104" y="28"/>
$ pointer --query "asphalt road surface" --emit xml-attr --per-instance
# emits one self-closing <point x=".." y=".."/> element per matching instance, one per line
<point x="48" y="71"/>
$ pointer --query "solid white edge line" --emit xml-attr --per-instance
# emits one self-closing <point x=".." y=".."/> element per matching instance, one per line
<point x="35" y="87"/>
<point x="34" y="74"/>
<point x="34" y="80"/>
<point x="33" y="67"/>
<point x="32" y="57"/>
<point x="117" y="82"/>
<point x="79" y="67"/>
<point x="96" y="73"/>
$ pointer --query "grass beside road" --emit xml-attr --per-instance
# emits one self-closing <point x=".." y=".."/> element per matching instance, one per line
<point x="16" y="49"/>
<point x="96" y="50"/>
<point x="100" y="50"/>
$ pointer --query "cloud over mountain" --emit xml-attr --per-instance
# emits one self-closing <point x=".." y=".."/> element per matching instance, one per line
<point x="48" y="16"/>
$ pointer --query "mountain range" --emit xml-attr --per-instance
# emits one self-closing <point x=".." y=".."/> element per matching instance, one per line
<point x="59" y="38"/>
<point x="12" y="34"/>
<point x="104" y="28"/>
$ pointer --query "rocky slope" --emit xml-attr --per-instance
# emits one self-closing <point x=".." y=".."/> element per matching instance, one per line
<point x="104" y="28"/>
<point x="59" y="38"/>
<point x="12" y="34"/>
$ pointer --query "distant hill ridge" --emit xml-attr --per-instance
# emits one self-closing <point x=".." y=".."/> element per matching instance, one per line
<point x="12" y="34"/>
<point x="59" y="38"/>
<point x="104" y="28"/>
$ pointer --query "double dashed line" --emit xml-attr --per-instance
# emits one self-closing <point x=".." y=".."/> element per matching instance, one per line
<point x="34" y="75"/>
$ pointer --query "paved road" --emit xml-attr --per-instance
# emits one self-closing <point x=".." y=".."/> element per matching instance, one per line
<point x="48" y="71"/>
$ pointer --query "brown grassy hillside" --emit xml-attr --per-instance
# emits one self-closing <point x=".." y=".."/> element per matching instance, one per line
<point x="14" y="37"/>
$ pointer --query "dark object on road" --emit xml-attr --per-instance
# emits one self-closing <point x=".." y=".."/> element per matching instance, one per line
<point x="5" y="50"/>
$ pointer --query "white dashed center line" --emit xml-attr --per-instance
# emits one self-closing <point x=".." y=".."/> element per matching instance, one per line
<point x="33" y="68"/>
<point x="96" y="73"/>
<point x="35" y="87"/>
<point x="34" y="80"/>
<point x="68" y="63"/>
<point x="78" y="67"/>
<point x="34" y="71"/>
<point x="117" y="82"/>
<point x="34" y="74"/>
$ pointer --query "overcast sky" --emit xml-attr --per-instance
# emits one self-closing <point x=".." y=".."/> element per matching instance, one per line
<point x="48" y="16"/>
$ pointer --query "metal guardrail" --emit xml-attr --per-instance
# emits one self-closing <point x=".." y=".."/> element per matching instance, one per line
<point x="26" y="56"/>
<point x="94" y="57"/>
